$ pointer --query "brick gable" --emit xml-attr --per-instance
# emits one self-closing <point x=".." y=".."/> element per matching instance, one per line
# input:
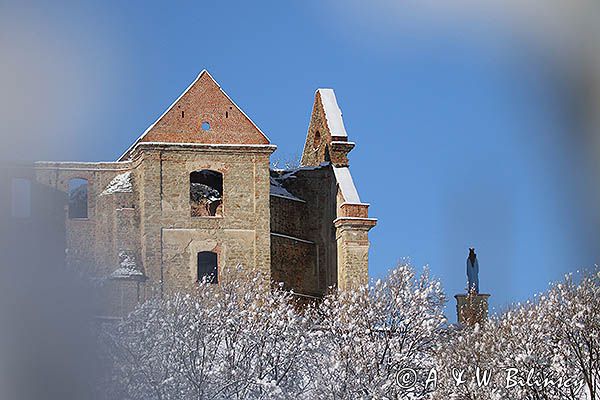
<point x="203" y="102"/>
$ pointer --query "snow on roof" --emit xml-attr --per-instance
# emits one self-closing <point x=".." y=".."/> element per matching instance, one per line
<point x="333" y="114"/>
<point x="127" y="267"/>
<point x="346" y="184"/>
<point x="278" y="190"/>
<point x="280" y="177"/>
<point x="120" y="184"/>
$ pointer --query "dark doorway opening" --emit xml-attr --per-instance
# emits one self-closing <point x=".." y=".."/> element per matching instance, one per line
<point x="208" y="270"/>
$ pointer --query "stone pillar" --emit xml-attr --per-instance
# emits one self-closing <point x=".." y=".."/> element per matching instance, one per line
<point x="352" y="236"/>
<point x="471" y="308"/>
<point x="149" y="186"/>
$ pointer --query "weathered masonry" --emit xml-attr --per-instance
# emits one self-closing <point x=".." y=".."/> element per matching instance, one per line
<point x="194" y="197"/>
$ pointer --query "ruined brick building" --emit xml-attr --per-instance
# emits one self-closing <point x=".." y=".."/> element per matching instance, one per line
<point x="194" y="196"/>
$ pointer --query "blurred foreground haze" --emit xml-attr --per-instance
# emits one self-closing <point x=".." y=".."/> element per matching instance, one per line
<point x="477" y="124"/>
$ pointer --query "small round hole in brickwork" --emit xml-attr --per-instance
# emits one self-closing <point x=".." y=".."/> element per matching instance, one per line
<point x="205" y="125"/>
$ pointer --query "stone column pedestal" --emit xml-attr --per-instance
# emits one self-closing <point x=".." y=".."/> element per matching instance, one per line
<point x="471" y="308"/>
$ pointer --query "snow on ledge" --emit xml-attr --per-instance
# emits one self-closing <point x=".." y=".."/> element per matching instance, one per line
<point x="333" y="114"/>
<point x="120" y="184"/>
<point x="291" y="238"/>
<point x="127" y="267"/>
<point x="288" y="197"/>
<point x="346" y="184"/>
<point x="123" y="273"/>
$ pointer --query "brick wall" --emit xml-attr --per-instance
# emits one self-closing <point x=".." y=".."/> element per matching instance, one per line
<point x="308" y="268"/>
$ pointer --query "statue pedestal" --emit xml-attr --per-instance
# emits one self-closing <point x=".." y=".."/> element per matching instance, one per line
<point x="471" y="308"/>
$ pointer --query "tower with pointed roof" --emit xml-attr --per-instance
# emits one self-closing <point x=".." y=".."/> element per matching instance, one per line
<point x="194" y="197"/>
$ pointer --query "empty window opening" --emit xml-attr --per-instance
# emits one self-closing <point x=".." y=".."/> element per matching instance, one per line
<point x="226" y="114"/>
<point x="206" y="193"/>
<point x="21" y="198"/>
<point x="205" y="125"/>
<point x="327" y="156"/>
<point x="182" y="114"/>
<point x="78" y="198"/>
<point x="208" y="269"/>
<point x="317" y="139"/>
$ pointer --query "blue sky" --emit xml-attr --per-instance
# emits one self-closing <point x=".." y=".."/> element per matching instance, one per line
<point x="464" y="137"/>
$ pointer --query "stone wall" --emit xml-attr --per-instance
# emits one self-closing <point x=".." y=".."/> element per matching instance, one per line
<point x="91" y="243"/>
<point x="288" y="216"/>
<point x="353" y="254"/>
<point x="85" y="246"/>
<point x="37" y="240"/>
<point x="295" y="265"/>
<point x="145" y="240"/>
<point x="153" y="222"/>
<point x="303" y="249"/>
<point x="352" y="221"/>
<point x="172" y="237"/>
<point x="352" y="236"/>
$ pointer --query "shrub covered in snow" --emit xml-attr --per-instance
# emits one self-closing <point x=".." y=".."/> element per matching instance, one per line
<point x="240" y="340"/>
<point x="244" y="341"/>
<point x="547" y="348"/>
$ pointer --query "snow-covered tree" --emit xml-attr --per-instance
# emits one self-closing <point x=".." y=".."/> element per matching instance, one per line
<point x="573" y="315"/>
<point x="543" y="349"/>
<point x="389" y="340"/>
<point x="238" y="340"/>
<point x="368" y="336"/>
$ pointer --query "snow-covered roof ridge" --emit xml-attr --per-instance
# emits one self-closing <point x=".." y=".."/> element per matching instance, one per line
<point x="333" y="114"/>
<point x="121" y="183"/>
<point x="346" y="184"/>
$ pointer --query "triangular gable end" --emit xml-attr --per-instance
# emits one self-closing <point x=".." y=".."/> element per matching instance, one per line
<point x="203" y="114"/>
<point x="326" y="139"/>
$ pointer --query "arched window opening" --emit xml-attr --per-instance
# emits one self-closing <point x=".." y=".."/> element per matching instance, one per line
<point x="208" y="269"/>
<point x="316" y="139"/>
<point x="21" y="198"/>
<point x="78" y="198"/>
<point x="206" y="193"/>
